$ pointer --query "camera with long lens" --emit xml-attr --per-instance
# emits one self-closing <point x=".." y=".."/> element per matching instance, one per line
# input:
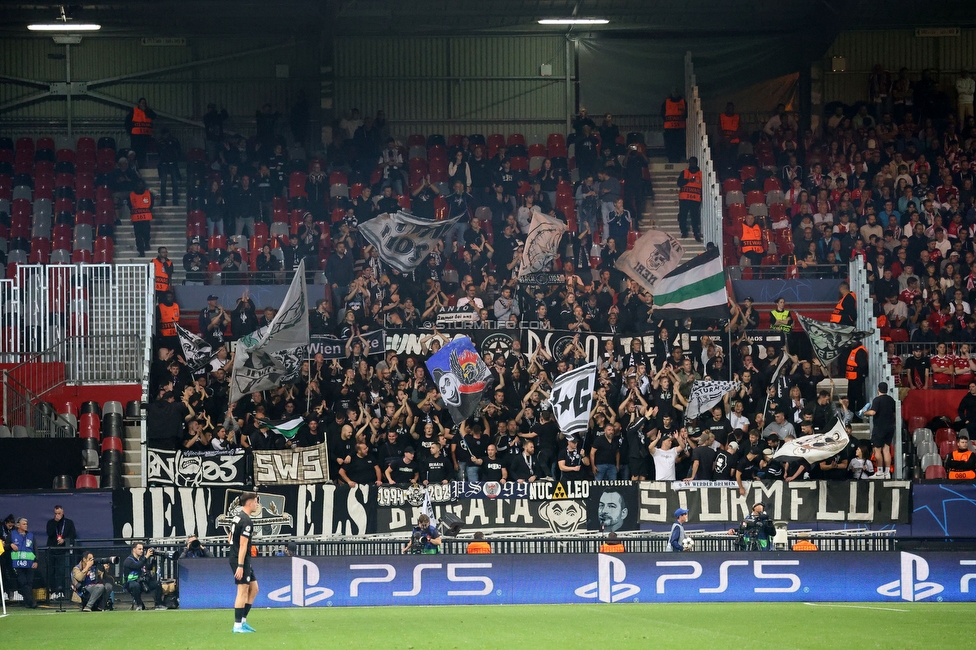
<point x="111" y="559"/>
<point x="418" y="540"/>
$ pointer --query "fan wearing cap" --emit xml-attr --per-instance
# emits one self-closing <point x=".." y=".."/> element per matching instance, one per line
<point x="676" y="541"/>
<point x="213" y="322"/>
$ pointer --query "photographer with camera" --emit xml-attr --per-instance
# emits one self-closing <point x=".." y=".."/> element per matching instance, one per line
<point x="137" y="571"/>
<point x="424" y="539"/>
<point x="756" y="531"/>
<point x="195" y="549"/>
<point x="92" y="583"/>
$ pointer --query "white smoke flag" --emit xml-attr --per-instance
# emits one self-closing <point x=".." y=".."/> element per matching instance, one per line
<point x="196" y="351"/>
<point x="273" y="355"/>
<point x="655" y="254"/>
<point x="572" y="399"/>
<point x="541" y="243"/>
<point x="706" y="394"/>
<point x="815" y="448"/>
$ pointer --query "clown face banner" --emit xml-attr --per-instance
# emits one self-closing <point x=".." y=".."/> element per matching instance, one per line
<point x="462" y="377"/>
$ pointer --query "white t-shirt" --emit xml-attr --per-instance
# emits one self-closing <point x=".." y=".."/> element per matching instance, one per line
<point x="664" y="464"/>
<point x="739" y="422"/>
<point x="965" y="88"/>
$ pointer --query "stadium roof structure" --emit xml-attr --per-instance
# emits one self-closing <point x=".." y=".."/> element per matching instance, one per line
<point x="433" y="17"/>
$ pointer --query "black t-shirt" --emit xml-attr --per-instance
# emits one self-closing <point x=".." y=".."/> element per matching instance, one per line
<point x="748" y="468"/>
<point x="774" y="469"/>
<point x="548" y="435"/>
<point x="241" y="527"/>
<point x="571" y="459"/>
<point x="724" y="466"/>
<point x="491" y="470"/>
<point x="720" y="429"/>
<point x="884" y="413"/>
<point x="402" y="471"/>
<point x="606" y="450"/>
<point x="436" y="469"/>
<point x="706" y="459"/>
<point x="361" y="470"/>
<point x="477" y="447"/>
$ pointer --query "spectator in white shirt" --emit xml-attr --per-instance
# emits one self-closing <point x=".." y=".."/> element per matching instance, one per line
<point x="965" y="87"/>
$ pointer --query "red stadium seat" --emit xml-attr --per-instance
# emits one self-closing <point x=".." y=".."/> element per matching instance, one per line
<point x="731" y="185"/>
<point x="337" y="178"/>
<point x="771" y="184"/>
<point x="916" y="422"/>
<point x="112" y="443"/>
<point x="89" y="426"/>
<point x="945" y="435"/>
<point x="935" y="472"/>
<point x="557" y="139"/>
<point x="515" y="139"/>
<point x="632" y="238"/>
<point x="416" y="140"/>
<point x="81" y="257"/>
<point x="747" y="172"/>
<point x="45" y="144"/>
<point x="86" y="482"/>
<point x="755" y="196"/>
<point x="102" y="257"/>
<point x="296" y="185"/>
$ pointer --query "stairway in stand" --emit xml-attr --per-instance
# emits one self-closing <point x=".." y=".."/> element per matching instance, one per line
<point x="662" y="212"/>
<point x="168" y="229"/>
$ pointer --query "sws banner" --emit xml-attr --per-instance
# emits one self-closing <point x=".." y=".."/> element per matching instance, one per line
<point x="599" y="578"/>
<point x="292" y="466"/>
<point x="300" y="510"/>
<point x="196" y="468"/>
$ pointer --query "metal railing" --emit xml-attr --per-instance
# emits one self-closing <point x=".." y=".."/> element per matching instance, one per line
<point x="878" y="368"/>
<point x="788" y="272"/>
<point x="697" y="145"/>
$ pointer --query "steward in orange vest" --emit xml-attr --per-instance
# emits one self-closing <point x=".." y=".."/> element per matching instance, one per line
<point x="140" y="213"/>
<point x="479" y="546"/>
<point x="845" y="312"/>
<point x="728" y="122"/>
<point x="167" y="316"/>
<point x="139" y="124"/>
<point x="162" y="271"/>
<point x="612" y="545"/>
<point x="674" y="112"/>
<point x="961" y="463"/>
<point x="856" y="374"/>
<point x="751" y="240"/>
<point x="689" y="199"/>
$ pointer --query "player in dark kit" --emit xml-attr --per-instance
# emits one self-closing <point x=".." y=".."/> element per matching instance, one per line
<point x="240" y="562"/>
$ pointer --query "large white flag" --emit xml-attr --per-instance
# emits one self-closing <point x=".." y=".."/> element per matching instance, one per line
<point x="404" y="240"/>
<point x="572" y="398"/>
<point x="273" y="355"/>
<point x="655" y="254"/>
<point x="706" y="394"/>
<point x="541" y="243"/>
<point x="815" y="448"/>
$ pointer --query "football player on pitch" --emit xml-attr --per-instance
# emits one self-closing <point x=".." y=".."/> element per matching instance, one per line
<point x="240" y="562"/>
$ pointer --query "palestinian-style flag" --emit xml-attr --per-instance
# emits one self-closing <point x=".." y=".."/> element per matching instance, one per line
<point x="288" y="428"/>
<point x="696" y="288"/>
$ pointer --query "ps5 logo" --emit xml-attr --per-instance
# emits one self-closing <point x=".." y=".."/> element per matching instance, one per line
<point x="610" y="586"/>
<point x="303" y="590"/>
<point x="912" y="585"/>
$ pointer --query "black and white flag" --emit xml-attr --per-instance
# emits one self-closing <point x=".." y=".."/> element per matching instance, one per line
<point x="403" y="240"/>
<point x="706" y="394"/>
<point x="572" y="399"/>
<point x="655" y="254"/>
<point x="816" y="448"/>
<point x="196" y="351"/>
<point x="827" y="339"/>
<point x="273" y="355"/>
<point x="541" y="244"/>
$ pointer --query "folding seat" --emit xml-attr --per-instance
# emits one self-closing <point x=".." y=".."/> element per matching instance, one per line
<point x="734" y="197"/>
<point x="60" y="256"/>
<point x="417" y="140"/>
<point x="755" y="196"/>
<point x="537" y="150"/>
<point x="40" y="250"/>
<point x="731" y="185"/>
<point x="495" y="140"/>
<point x="774" y="197"/>
<point x="771" y="183"/>
<point x="296" y="185"/>
<point x="557" y="139"/>
<point x="935" y="472"/>
<point x="339" y="189"/>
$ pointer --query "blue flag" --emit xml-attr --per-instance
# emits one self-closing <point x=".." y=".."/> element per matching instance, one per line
<point x="462" y="377"/>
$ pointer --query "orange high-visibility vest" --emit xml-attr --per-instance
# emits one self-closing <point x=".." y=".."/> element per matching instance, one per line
<point x="168" y="318"/>
<point x="692" y="190"/>
<point x="674" y="113"/>
<point x="835" y="316"/>
<point x="479" y="548"/>
<point x="852" y="363"/>
<point x="962" y="456"/>
<point x="751" y="238"/>
<point x="142" y="124"/>
<point x="141" y="206"/>
<point x="161" y="276"/>
<point x="730" y="127"/>
<point x="606" y="547"/>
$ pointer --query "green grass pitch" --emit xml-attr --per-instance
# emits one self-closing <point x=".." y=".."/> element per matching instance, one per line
<point x="561" y="627"/>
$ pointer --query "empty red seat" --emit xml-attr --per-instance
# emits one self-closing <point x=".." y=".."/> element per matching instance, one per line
<point x="102" y="257"/>
<point x="516" y="138"/>
<point x="81" y="256"/>
<point x="747" y="172"/>
<point x="45" y="144"/>
<point x="336" y="178"/>
<point x="112" y="443"/>
<point x="296" y="185"/>
<point x="520" y="163"/>
<point x="771" y="184"/>
<point x="945" y="435"/>
<point x="537" y="150"/>
<point x="731" y="185"/>
<point x="86" y="482"/>
<point x="416" y="140"/>
<point x="935" y="472"/>
<point x="755" y="196"/>
<point x="89" y="426"/>
<point x="557" y="139"/>
<point x="261" y="230"/>
<point x="632" y="239"/>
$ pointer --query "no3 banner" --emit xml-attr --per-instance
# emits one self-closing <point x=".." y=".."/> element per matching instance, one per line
<point x="654" y="577"/>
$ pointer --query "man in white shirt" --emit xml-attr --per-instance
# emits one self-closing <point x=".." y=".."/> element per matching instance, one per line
<point x="965" y="87"/>
<point x="469" y="298"/>
<point x="664" y="458"/>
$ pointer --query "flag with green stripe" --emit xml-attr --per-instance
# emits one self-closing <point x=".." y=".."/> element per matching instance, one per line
<point x="696" y="288"/>
<point x="288" y="427"/>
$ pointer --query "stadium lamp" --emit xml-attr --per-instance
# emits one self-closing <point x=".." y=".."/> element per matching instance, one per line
<point x="573" y="21"/>
<point x="64" y="27"/>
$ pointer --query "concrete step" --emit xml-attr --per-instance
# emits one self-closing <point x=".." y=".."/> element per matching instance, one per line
<point x="132" y="469"/>
<point x="131" y="444"/>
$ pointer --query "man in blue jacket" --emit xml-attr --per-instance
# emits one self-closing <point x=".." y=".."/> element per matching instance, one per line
<point x="678" y="530"/>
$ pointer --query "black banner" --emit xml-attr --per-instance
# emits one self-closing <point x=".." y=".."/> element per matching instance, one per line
<point x="496" y="341"/>
<point x="196" y="468"/>
<point x="301" y="510"/>
<point x="332" y="347"/>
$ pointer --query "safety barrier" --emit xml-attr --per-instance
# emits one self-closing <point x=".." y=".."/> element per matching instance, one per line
<point x="697" y="145"/>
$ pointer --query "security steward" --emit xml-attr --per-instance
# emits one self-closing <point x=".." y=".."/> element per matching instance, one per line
<point x="162" y="271"/>
<point x="689" y="199"/>
<point x="139" y="124"/>
<point x="140" y="209"/>
<point x="750" y="240"/>
<point x="167" y="318"/>
<point x="857" y="374"/>
<point x="612" y="545"/>
<point x="961" y="463"/>
<point x="845" y="312"/>
<point x="728" y="124"/>
<point x="674" y="112"/>
<point x="780" y="318"/>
